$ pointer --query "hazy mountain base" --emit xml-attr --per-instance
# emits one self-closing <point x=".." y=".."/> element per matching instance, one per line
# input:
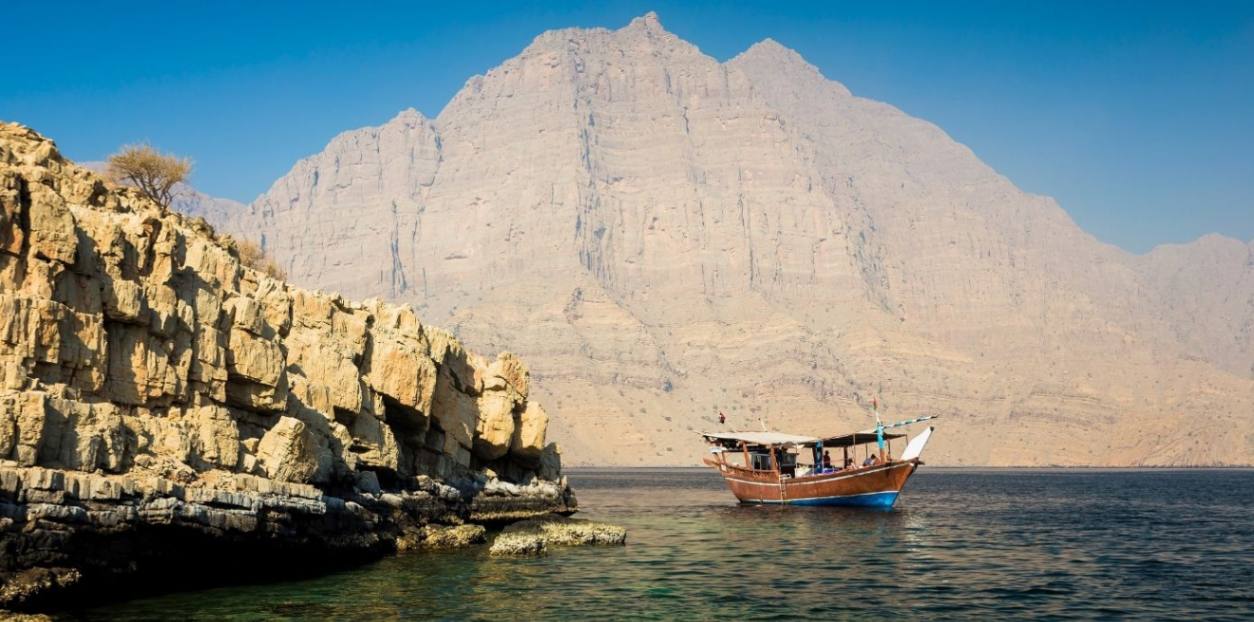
<point x="665" y="236"/>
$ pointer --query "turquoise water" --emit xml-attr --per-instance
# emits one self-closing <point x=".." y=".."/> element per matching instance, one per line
<point x="960" y="544"/>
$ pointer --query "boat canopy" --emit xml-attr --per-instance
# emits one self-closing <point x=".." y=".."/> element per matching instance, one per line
<point x="732" y="440"/>
<point x="857" y="438"/>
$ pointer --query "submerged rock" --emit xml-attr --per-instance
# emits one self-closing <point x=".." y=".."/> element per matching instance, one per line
<point x="519" y="545"/>
<point x="32" y="582"/>
<point x="444" y="537"/>
<point x="10" y="616"/>
<point x="533" y="537"/>
<point x="570" y="531"/>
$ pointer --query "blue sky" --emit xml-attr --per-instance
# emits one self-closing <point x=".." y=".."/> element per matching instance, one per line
<point x="1138" y="117"/>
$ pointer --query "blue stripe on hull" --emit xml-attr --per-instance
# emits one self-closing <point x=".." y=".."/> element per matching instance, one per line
<point x="869" y="500"/>
<point x="873" y="500"/>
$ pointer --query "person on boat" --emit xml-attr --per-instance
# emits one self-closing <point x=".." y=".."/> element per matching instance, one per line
<point x="848" y="463"/>
<point x="827" y="459"/>
<point x="870" y="460"/>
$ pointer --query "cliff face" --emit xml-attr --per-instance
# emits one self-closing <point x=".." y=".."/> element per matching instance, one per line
<point x="664" y="236"/>
<point x="155" y="391"/>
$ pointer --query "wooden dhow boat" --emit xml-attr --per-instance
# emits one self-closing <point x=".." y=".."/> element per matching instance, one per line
<point x="763" y="467"/>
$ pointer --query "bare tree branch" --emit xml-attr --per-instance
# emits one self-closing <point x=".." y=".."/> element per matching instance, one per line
<point x="155" y="174"/>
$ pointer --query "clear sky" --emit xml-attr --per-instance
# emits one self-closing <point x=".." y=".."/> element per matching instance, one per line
<point x="1137" y="116"/>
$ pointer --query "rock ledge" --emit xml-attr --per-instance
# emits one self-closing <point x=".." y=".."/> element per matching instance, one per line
<point x="534" y="536"/>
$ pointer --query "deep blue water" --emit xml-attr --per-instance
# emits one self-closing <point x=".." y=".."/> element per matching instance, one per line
<point x="960" y="544"/>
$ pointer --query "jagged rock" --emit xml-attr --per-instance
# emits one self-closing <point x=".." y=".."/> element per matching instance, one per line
<point x="51" y="226"/>
<point x="123" y="301"/>
<point x="368" y="482"/>
<point x="456" y="412"/>
<point x="528" y="440"/>
<point x="148" y="378"/>
<point x="495" y="427"/>
<point x="448" y="537"/>
<point x="375" y="444"/>
<point x="550" y="462"/>
<point x="508" y="373"/>
<point x="328" y="367"/>
<point x="22" y="417"/>
<point x="288" y="452"/>
<point x="399" y="364"/>
<point x="214" y="438"/>
<point x="501" y="501"/>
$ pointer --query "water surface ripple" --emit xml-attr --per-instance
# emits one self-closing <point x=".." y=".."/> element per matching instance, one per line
<point x="960" y="544"/>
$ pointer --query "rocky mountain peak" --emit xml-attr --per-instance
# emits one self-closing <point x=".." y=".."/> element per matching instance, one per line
<point x="772" y="51"/>
<point x="647" y="23"/>
<point x="409" y="116"/>
<point x="665" y="236"/>
<point x="643" y="40"/>
<point x="769" y="55"/>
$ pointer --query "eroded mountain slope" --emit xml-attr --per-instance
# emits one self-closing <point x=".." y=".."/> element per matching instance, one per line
<point x="665" y="236"/>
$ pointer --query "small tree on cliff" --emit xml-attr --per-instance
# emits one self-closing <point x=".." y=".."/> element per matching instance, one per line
<point x="154" y="173"/>
<point x="251" y="255"/>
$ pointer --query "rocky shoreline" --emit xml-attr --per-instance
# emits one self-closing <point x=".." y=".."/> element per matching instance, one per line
<point x="170" y="416"/>
<point x="85" y="533"/>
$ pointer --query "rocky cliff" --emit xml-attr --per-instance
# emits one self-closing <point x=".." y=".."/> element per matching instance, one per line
<point x="664" y="236"/>
<point x="161" y="403"/>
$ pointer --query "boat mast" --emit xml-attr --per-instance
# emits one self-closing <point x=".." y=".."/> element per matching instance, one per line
<point x="879" y="427"/>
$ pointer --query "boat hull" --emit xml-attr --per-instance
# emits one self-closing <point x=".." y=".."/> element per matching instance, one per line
<point x="876" y="486"/>
<point x="866" y="500"/>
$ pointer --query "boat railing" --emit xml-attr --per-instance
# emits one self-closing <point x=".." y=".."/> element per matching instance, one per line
<point x="794" y="470"/>
<point x="851" y="469"/>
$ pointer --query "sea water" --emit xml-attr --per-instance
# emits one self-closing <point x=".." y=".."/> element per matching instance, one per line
<point x="960" y="544"/>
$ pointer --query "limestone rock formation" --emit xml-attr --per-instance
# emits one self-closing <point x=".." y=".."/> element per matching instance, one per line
<point x="158" y="397"/>
<point x="663" y="236"/>
<point x="533" y="537"/>
<point x="444" y="537"/>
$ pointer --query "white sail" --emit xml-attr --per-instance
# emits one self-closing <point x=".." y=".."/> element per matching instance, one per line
<point x="915" y="448"/>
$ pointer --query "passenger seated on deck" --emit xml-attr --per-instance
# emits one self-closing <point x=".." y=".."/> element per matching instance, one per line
<point x="827" y="460"/>
<point x="848" y="463"/>
<point x="870" y="460"/>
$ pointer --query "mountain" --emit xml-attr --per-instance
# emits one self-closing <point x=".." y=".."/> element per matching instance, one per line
<point x="665" y="237"/>
<point x="188" y="200"/>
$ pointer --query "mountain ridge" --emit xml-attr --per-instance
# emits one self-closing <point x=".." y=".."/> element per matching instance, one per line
<point x="667" y="227"/>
